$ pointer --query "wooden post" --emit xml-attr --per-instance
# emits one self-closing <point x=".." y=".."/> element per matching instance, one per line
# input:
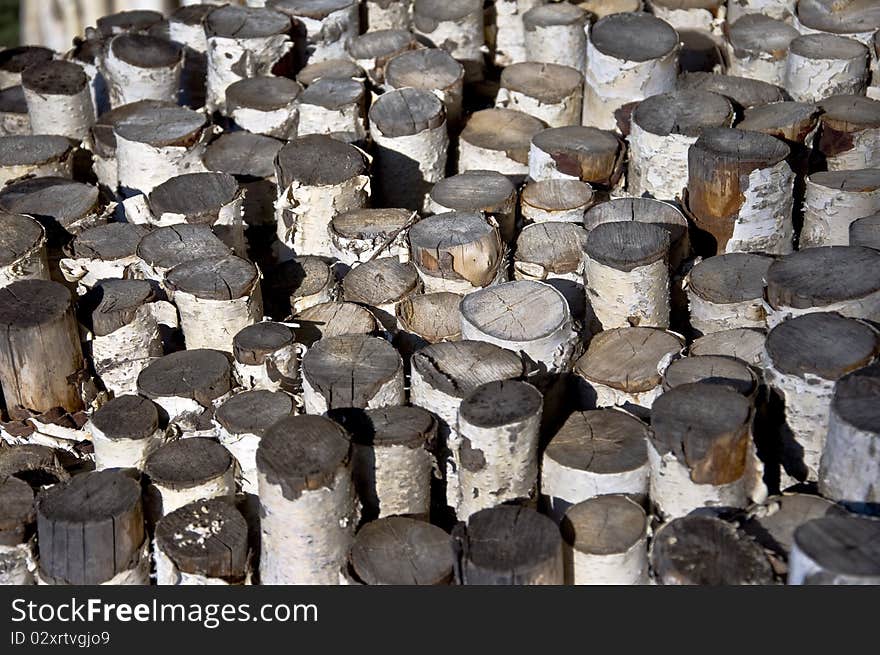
<point x="662" y="129"/>
<point x="727" y="291"/>
<point x="402" y="551"/>
<point x="13" y="61"/>
<point x="509" y="545"/>
<point x="510" y="31"/>
<point x="757" y="46"/>
<point x="835" y="550"/>
<point x="806" y="355"/>
<point x="388" y="15"/>
<point x="266" y="357"/>
<point x="408" y="127"/>
<point x="125" y="431"/>
<point x="265" y="105"/>
<point x="744" y="92"/>
<point x="594" y="453"/>
<point x="380" y="285"/>
<point x="577" y="153"/>
<point x="497" y="445"/>
<point x="456" y="27"/>
<point x="141" y="67"/>
<point x="14" y="118"/>
<point x="606" y="542"/>
<point x="624" y="367"/>
<point x="325" y="25"/>
<point x="243" y="42"/>
<point x="560" y="201"/>
<point x="162" y="249"/>
<point x="186" y="383"/>
<point x="318" y="177"/>
<point x="849" y="133"/>
<point x="522" y="316"/>
<point x="630" y="57"/>
<point x="41" y="360"/>
<point x="498" y="140"/>
<point x="58" y="99"/>
<point x="849" y="458"/>
<point x="375" y="48"/>
<point x="456" y="251"/>
<point x="307" y="501"/>
<point x="488" y="192"/>
<point x="740" y="192"/>
<point x="833" y="200"/>
<point x="34" y="156"/>
<point x="853" y="288"/>
<point x="865" y="231"/>
<point x="704" y="550"/>
<point x="743" y="343"/>
<point x="391" y="460"/>
<point x="626" y="270"/>
<point x="186" y="26"/>
<point x="125" y="332"/>
<point x="822" y="65"/>
<point x="202" y="543"/>
<point x="22" y="249"/>
<point x="155" y="144"/>
<point x="333" y="106"/>
<point x="550" y="92"/>
<point x="430" y="69"/>
<point x="17" y="527"/>
<point x="555" y="33"/>
<point x="777" y="9"/>
<point x="91" y="531"/>
<point x="333" y="319"/>
<point x="427" y="318"/>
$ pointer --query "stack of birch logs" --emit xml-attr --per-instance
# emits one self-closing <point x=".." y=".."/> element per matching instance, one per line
<point x="443" y="292"/>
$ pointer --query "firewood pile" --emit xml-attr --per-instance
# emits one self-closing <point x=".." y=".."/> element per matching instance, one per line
<point x="444" y="292"/>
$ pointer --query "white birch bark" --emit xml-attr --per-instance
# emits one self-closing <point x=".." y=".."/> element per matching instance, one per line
<point x="764" y="221"/>
<point x="394" y="172"/>
<point x="620" y="297"/>
<point x="865" y="152"/>
<point x="557" y="44"/>
<point x="316" y="119"/>
<point x="127" y="83"/>
<point x="231" y="60"/>
<point x="210" y="323"/>
<point x="707" y="316"/>
<point x="123" y="453"/>
<point x="280" y="123"/>
<point x="849" y="462"/>
<point x="18" y="563"/>
<point x="401" y="475"/>
<point x="143" y="167"/>
<point x="658" y="164"/>
<point x="627" y="568"/>
<point x="31" y="265"/>
<point x="68" y="115"/>
<point x="221" y="486"/>
<point x="828" y="213"/>
<point x="812" y="78"/>
<point x="389" y="393"/>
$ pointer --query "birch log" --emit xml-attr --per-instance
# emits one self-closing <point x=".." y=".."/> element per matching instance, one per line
<point x="187" y="470"/>
<point x="430" y="69"/>
<point x="850" y="287"/>
<point x="822" y="65"/>
<point x="307" y="501"/>
<point x="594" y="453"/>
<point x="13" y="61"/>
<point x="155" y="144"/>
<point x="849" y="133"/>
<point x="744" y="92"/>
<point x="265" y="105"/>
<point x="740" y="192"/>
<point x="555" y="33"/>
<point x="141" y="67"/>
<point x="550" y="92"/>
<point x="510" y="34"/>
<point x="351" y="370"/>
<point x="806" y="355"/>
<point x="488" y="192"/>
<point x="577" y="153"/>
<point x="41" y="361"/>
<point x="757" y="46"/>
<point x="630" y="57"/>
<point x="408" y="128"/>
<point x="333" y="106"/>
<point x="777" y="9"/>
<point x="34" y="156"/>
<point x="125" y="332"/>
<point x="388" y="15"/>
<point x="358" y="235"/>
<point x="833" y="200"/>
<point x="125" y="431"/>
<point x="375" y="48"/>
<point x="624" y="367"/>
<point x="699" y="449"/>
<point x="216" y="297"/>
<point x="727" y="291"/>
<point x="14" y="119"/>
<point x="243" y="42"/>
<point x="456" y="251"/>
<point x="186" y="384"/>
<point x="297" y="284"/>
<point x="127" y="21"/>
<point x="333" y="319"/>
<point x="332" y="68"/>
<point x="427" y="318"/>
<point x="100" y="253"/>
<point x="522" y="316"/>
<point x="202" y="543"/>
<point x="325" y="26"/>
<point x="847" y="472"/>
<point x="509" y="545"/>
<point x="835" y="550"/>
<point x="704" y="550"/>
<point x="626" y="272"/>
<point x="865" y="231"/>
<point x="498" y="140"/>
<point x="380" y="285"/>
<point x="17" y="527"/>
<point x="58" y="99"/>
<point x="455" y="26"/>
<point x="402" y="551"/>
<point x="22" y="249"/>
<point x="494" y="469"/>
<point x="606" y="542"/>
<point x="87" y="53"/>
<point x="857" y="20"/>
<point x="712" y="369"/>
<point x="743" y="343"/>
<point x="266" y="357"/>
<point x="186" y="26"/>
<point x="91" y="531"/>
<point x="391" y="459"/>
<point x="318" y="177"/>
<point x="162" y="249"/>
<point x="557" y="201"/>
<point x="662" y="129"/>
